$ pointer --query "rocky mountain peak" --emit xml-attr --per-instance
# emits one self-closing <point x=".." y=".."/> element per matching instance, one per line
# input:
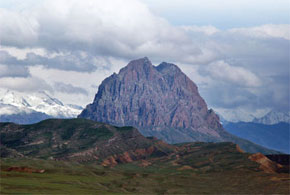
<point x="160" y="101"/>
<point x="139" y="69"/>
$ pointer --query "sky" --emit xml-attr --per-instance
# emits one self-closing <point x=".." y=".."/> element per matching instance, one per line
<point x="237" y="52"/>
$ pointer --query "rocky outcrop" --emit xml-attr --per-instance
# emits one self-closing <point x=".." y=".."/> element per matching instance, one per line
<point x="266" y="164"/>
<point x="130" y="156"/>
<point x="158" y="100"/>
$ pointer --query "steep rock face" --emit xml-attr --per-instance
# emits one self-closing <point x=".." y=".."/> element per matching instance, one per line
<point x="160" y="101"/>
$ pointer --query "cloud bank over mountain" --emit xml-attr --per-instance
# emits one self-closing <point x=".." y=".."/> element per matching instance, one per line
<point x="67" y="47"/>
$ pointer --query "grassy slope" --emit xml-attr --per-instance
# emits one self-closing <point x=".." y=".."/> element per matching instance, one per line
<point x="215" y="169"/>
<point x="61" y="138"/>
<point x="70" y="178"/>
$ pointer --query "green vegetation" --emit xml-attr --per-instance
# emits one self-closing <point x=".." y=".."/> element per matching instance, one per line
<point x="80" y="156"/>
<point x="72" y="178"/>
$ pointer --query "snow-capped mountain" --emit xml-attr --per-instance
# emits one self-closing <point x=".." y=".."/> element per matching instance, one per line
<point x="237" y="115"/>
<point x="35" y="106"/>
<point x="273" y="117"/>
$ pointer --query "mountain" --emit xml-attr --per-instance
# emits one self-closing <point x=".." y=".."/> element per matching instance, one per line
<point x="274" y="136"/>
<point x="24" y="109"/>
<point x="273" y="117"/>
<point x="160" y="101"/>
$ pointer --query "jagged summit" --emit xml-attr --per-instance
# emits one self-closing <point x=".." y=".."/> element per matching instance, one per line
<point x="153" y="98"/>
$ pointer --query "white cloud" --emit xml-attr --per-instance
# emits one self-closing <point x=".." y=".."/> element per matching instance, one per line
<point x="17" y="29"/>
<point x="113" y="28"/>
<point x="208" y="30"/>
<point x="237" y="75"/>
<point x="265" y="31"/>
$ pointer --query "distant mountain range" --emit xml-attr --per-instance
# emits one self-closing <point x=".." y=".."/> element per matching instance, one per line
<point x="31" y="108"/>
<point x="273" y="117"/>
<point x="274" y="136"/>
<point x="160" y="101"/>
<point x="270" y="118"/>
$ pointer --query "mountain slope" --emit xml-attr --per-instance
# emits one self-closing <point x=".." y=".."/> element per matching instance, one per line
<point x="24" y="109"/>
<point x="79" y="140"/>
<point x="160" y="101"/>
<point x="271" y="136"/>
<point x="187" y="171"/>
<point x="83" y="157"/>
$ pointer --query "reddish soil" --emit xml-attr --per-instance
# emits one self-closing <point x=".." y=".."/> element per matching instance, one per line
<point x="25" y="169"/>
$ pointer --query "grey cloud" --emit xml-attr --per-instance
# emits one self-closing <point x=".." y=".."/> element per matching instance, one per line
<point x="11" y="66"/>
<point x="228" y="96"/>
<point x="71" y="61"/>
<point x="119" y="31"/>
<point x="13" y="71"/>
<point x="29" y="84"/>
<point x="70" y="89"/>
<point x="273" y="93"/>
<point x="256" y="53"/>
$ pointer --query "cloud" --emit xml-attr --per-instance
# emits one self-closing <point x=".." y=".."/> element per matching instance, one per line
<point x="76" y="61"/>
<point x="208" y="30"/>
<point x="13" y="71"/>
<point x="125" y="29"/>
<point x="29" y="84"/>
<point x="236" y="75"/>
<point x="265" y="31"/>
<point x="68" y="88"/>
<point x="17" y="29"/>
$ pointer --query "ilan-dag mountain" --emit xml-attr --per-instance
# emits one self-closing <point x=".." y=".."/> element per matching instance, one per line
<point x="159" y="101"/>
